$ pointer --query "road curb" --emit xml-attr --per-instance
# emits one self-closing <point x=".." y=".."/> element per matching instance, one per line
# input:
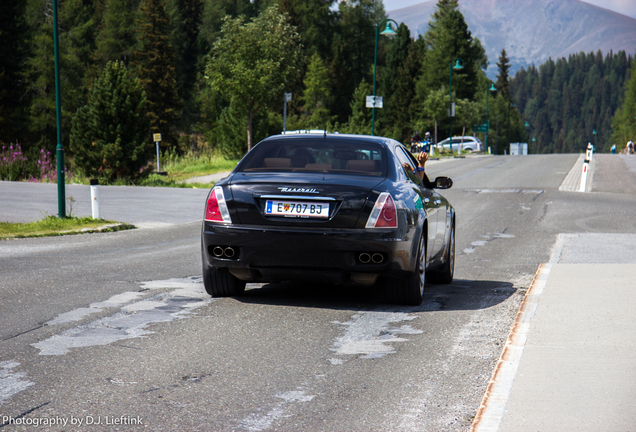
<point x="493" y="405"/>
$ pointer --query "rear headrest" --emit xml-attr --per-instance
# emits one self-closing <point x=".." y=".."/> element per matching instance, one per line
<point x="362" y="165"/>
<point x="318" y="166"/>
<point x="277" y="162"/>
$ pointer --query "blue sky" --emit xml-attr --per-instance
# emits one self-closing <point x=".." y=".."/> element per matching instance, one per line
<point x="625" y="7"/>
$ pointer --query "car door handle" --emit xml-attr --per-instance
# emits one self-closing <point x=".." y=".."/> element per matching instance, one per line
<point x="437" y="202"/>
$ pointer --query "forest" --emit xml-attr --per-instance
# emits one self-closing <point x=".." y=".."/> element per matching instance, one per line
<point x="211" y="75"/>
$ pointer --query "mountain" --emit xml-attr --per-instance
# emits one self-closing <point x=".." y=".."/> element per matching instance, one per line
<point x="532" y="31"/>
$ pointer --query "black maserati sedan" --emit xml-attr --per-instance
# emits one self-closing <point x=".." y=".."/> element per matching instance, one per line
<point x="333" y="208"/>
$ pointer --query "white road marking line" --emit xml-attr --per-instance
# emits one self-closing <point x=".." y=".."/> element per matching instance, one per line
<point x="513" y="191"/>
<point x="132" y="319"/>
<point x="368" y="334"/>
<point x="256" y="422"/>
<point x="478" y="243"/>
<point x="11" y="382"/>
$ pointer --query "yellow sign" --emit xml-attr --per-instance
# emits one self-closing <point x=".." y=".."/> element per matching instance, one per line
<point x="156" y="137"/>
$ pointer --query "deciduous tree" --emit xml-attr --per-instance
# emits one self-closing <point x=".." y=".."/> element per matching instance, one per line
<point x="252" y="62"/>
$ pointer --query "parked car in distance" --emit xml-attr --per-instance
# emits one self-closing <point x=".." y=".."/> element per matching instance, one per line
<point x="466" y="143"/>
<point x="334" y="208"/>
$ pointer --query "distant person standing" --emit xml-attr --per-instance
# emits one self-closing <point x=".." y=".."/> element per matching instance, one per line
<point x="629" y="149"/>
<point x="426" y="144"/>
<point x="613" y="149"/>
<point x="415" y="142"/>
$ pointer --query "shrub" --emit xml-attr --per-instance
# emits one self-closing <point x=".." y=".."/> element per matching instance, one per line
<point x="110" y="136"/>
<point x="12" y="162"/>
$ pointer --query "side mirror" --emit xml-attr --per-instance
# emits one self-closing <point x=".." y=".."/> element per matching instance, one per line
<point x="443" y="183"/>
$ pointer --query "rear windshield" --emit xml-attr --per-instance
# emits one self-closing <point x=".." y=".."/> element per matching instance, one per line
<point x="312" y="155"/>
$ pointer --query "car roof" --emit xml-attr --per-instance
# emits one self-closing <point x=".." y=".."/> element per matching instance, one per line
<point x="466" y="138"/>
<point x="335" y="136"/>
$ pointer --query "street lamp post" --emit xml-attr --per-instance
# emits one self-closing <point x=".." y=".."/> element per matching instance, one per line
<point x="61" y="194"/>
<point x="491" y="89"/>
<point x="508" y="130"/>
<point x="389" y="32"/>
<point x="459" y="65"/>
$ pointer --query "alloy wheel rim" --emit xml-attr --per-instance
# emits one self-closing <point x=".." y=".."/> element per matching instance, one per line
<point x="422" y="266"/>
<point x="452" y="253"/>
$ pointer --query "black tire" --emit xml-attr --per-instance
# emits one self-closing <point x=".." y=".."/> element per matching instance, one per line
<point x="221" y="283"/>
<point x="445" y="276"/>
<point x="409" y="291"/>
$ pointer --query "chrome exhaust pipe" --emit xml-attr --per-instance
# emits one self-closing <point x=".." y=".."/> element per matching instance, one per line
<point x="364" y="258"/>
<point x="217" y="251"/>
<point x="377" y="258"/>
<point x="228" y="252"/>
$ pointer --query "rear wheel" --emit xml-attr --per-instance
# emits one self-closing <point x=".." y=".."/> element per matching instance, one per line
<point x="409" y="291"/>
<point x="445" y="276"/>
<point x="221" y="283"/>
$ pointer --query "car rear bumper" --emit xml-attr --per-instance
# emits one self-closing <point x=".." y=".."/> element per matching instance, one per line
<point x="338" y="256"/>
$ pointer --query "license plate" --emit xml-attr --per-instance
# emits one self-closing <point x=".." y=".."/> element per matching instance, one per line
<point x="306" y="209"/>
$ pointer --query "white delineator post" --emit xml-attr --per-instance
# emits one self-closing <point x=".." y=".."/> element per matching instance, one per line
<point x="95" y="198"/>
<point x="586" y="167"/>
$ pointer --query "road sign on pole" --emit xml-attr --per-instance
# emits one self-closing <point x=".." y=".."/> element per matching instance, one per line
<point x="288" y="98"/>
<point x="484" y="127"/>
<point x="374" y="101"/>
<point x="157" y="139"/>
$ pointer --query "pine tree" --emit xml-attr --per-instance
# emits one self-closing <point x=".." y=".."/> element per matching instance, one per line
<point x="109" y="135"/>
<point x="624" y="122"/>
<point x="13" y="40"/>
<point x="187" y="20"/>
<point x="155" y="66"/>
<point x="405" y="103"/>
<point x="395" y="115"/>
<point x="315" y="22"/>
<point x="360" y="120"/>
<point x="38" y="74"/>
<point x="448" y="38"/>
<point x="317" y="93"/>
<point x="355" y="45"/>
<point x="502" y="84"/>
<point x="117" y="37"/>
<point x="568" y="103"/>
<point x="340" y="75"/>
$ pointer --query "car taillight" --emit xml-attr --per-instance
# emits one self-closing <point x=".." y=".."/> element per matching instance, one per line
<point x="384" y="213"/>
<point x="216" y="207"/>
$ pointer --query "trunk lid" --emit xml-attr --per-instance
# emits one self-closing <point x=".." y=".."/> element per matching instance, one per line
<point x="307" y="200"/>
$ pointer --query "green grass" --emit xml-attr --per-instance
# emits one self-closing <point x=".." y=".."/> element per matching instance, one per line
<point x="194" y="165"/>
<point x="177" y="169"/>
<point x="52" y="226"/>
<point x="180" y="168"/>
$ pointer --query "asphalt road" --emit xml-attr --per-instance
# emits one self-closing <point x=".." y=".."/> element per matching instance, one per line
<point x="116" y="328"/>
